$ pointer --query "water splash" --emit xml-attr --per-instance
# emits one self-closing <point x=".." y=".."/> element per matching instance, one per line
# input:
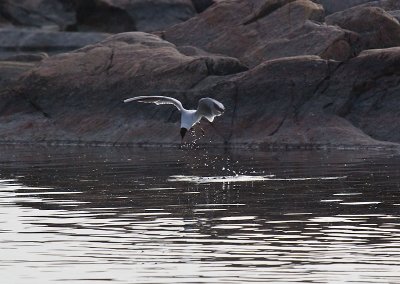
<point x="242" y="178"/>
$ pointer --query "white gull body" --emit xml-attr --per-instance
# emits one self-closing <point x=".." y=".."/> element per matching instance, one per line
<point x="207" y="107"/>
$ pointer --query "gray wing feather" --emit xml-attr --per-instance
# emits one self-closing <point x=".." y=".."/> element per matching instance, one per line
<point x="210" y="108"/>
<point x="158" y="100"/>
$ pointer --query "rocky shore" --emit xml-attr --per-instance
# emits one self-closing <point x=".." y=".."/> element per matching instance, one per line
<point x="323" y="73"/>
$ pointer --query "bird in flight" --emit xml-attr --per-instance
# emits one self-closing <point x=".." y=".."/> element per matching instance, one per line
<point x="207" y="107"/>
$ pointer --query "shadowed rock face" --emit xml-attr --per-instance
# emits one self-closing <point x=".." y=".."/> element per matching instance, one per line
<point x="285" y="73"/>
<point x="131" y="15"/>
<point x="202" y="5"/>
<point x="102" y="16"/>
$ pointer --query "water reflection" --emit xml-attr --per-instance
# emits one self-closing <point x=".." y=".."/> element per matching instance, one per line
<point x="118" y="215"/>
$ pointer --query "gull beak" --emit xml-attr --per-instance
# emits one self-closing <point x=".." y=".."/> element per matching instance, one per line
<point x="183" y="132"/>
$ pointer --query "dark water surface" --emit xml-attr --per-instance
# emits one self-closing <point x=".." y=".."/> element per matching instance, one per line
<point x="94" y="215"/>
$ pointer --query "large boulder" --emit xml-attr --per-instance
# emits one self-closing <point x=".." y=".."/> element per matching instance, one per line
<point x="378" y="28"/>
<point x="258" y="30"/>
<point x="365" y="91"/>
<point x="276" y="106"/>
<point x="78" y="96"/>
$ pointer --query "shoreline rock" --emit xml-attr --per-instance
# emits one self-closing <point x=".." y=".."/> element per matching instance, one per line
<point x="287" y="75"/>
<point x="77" y="96"/>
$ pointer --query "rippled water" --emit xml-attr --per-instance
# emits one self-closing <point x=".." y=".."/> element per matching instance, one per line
<point x="94" y="215"/>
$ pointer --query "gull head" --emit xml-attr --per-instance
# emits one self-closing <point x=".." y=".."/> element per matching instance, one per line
<point x="183" y="132"/>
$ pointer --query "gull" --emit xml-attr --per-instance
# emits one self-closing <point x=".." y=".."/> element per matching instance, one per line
<point x="207" y="107"/>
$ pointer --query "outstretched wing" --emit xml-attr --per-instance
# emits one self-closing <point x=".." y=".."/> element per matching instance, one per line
<point x="158" y="100"/>
<point x="210" y="108"/>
